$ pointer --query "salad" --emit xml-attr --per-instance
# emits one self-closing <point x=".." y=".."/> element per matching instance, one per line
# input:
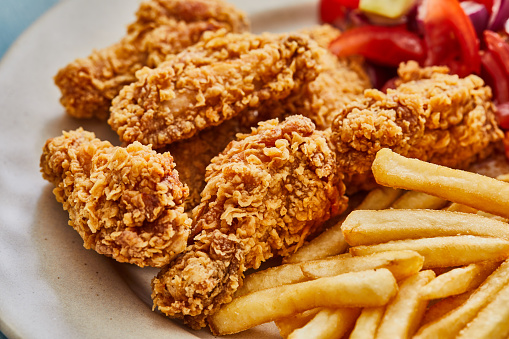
<point x="469" y="37"/>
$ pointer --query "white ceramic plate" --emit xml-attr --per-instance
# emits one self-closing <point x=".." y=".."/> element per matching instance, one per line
<point x="50" y="286"/>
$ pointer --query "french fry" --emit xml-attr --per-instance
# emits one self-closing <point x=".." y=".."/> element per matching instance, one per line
<point x="367" y="323"/>
<point x="404" y="313"/>
<point x="444" y="306"/>
<point x="492" y="321"/>
<point x="357" y="289"/>
<point x="271" y="277"/>
<point x="503" y="177"/>
<point x="402" y="264"/>
<point x="380" y="198"/>
<point x="455" y="207"/>
<point x="458" y="280"/>
<point x="474" y="190"/>
<point x="328" y="323"/>
<point x="331" y="242"/>
<point x="372" y="227"/>
<point x="418" y="200"/>
<point x="445" y="251"/>
<point x="289" y="324"/>
<point x="454" y="321"/>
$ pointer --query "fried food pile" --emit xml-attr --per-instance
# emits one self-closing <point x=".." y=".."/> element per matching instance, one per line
<point x="126" y="203"/>
<point x="237" y="147"/>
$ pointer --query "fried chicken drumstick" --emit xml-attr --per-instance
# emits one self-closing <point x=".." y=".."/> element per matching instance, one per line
<point x="126" y="203"/>
<point x="430" y="115"/>
<point x="162" y="27"/>
<point x="264" y="195"/>
<point x="210" y="82"/>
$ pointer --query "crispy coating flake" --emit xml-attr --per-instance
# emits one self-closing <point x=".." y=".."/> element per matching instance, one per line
<point x="340" y="81"/>
<point x="162" y="27"/>
<point x="431" y="115"/>
<point x="126" y="203"/>
<point x="210" y="82"/>
<point x="265" y="194"/>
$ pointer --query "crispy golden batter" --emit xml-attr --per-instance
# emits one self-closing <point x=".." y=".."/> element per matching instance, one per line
<point x="339" y="81"/>
<point x="162" y="27"/>
<point x="193" y="155"/>
<point x="126" y="203"/>
<point x="210" y="82"/>
<point x="431" y="115"/>
<point x="264" y="195"/>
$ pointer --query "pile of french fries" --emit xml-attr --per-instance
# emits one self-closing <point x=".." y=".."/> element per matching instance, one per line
<point x="426" y="257"/>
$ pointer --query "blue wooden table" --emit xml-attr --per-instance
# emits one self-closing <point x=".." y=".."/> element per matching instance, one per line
<point x="15" y="17"/>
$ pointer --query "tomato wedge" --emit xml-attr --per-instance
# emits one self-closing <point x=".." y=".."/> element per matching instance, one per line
<point x="506" y="144"/>
<point x="495" y="65"/>
<point x="332" y="10"/>
<point x="388" y="46"/>
<point x="493" y="74"/>
<point x="503" y="115"/>
<point x="450" y="37"/>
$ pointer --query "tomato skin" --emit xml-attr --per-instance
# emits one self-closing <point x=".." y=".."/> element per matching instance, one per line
<point x="499" y="47"/>
<point x="503" y="115"/>
<point x="447" y="27"/>
<point x="506" y="145"/>
<point x="332" y="10"/>
<point x="493" y="74"/>
<point x="495" y="65"/>
<point x="387" y="46"/>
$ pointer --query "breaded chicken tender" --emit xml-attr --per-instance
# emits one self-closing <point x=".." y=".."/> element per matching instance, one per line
<point x="430" y="115"/>
<point x="265" y="194"/>
<point x="192" y="156"/>
<point x="162" y="27"/>
<point x="210" y="82"/>
<point x="126" y="203"/>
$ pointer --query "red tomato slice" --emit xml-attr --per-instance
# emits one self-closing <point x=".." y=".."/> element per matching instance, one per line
<point x="387" y="46"/>
<point x="494" y="75"/>
<point x="499" y="48"/>
<point x="503" y="115"/>
<point x="445" y="22"/>
<point x="506" y="144"/>
<point x="332" y="10"/>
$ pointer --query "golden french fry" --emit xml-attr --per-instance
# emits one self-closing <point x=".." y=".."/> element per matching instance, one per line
<point x="357" y="289"/>
<point x="451" y="323"/>
<point x="380" y="198"/>
<point x="404" y="313"/>
<point x="418" y="200"/>
<point x="328" y="323"/>
<point x="442" y="307"/>
<point x="503" y="177"/>
<point x="373" y="227"/>
<point x="478" y="191"/>
<point x="402" y="264"/>
<point x="289" y="324"/>
<point x="367" y="323"/>
<point x="492" y="321"/>
<point x="458" y="280"/>
<point x="331" y="242"/>
<point x="455" y="207"/>
<point x="271" y="277"/>
<point x="445" y="251"/>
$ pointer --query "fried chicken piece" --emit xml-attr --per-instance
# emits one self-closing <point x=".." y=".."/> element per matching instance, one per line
<point x="340" y="81"/>
<point x="431" y="115"/>
<point x="265" y="194"/>
<point x="162" y="27"/>
<point x="126" y="203"/>
<point x="193" y="155"/>
<point x="210" y="82"/>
